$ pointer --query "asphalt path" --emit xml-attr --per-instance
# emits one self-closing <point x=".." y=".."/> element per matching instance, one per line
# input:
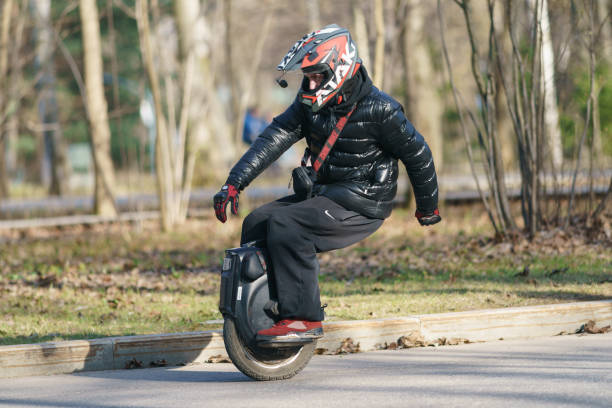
<point x="549" y="372"/>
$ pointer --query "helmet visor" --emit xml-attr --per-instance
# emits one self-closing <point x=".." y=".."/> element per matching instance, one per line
<point x="315" y="77"/>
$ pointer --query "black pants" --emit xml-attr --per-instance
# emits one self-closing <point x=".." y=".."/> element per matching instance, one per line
<point x="294" y="232"/>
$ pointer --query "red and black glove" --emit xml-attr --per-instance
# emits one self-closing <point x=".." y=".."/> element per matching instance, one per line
<point x="428" y="218"/>
<point x="222" y="199"/>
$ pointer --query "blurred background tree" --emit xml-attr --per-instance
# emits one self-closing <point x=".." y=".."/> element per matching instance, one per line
<point x="97" y="110"/>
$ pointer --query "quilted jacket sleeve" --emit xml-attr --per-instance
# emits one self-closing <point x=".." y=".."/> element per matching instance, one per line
<point x="400" y="139"/>
<point x="283" y="132"/>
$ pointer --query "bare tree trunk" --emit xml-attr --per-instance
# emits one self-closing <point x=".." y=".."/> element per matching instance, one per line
<point x="379" y="53"/>
<point x="502" y="116"/>
<point x="423" y="100"/>
<point x="116" y="106"/>
<point x="488" y="138"/>
<point x="54" y="167"/>
<point x="521" y="95"/>
<point x="192" y="130"/>
<point x="464" y="130"/>
<point x="402" y="13"/>
<point x="551" y="111"/>
<point x="162" y="159"/>
<point x="15" y="91"/>
<point x="208" y="120"/>
<point x="7" y="11"/>
<point x="4" y="178"/>
<point x="252" y="75"/>
<point x="97" y="109"/>
<point x="603" y="19"/>
<point x="591" y="98"/>
<point x="314" y="16"/>
<point x="361" y="35"/>
<point x="596" y="141"/>
<point x="603" y="203"/>
<point x="604" y="10"/>
<point x="176" y="155"/>
<point x="234" y="85"/>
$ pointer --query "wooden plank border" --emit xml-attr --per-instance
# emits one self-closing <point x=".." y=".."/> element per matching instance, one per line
<point x="198" y="347"/>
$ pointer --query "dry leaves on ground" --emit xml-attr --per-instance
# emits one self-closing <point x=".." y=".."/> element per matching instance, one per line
<point x="219" y="358"/>
<point x="133" y="363"/>
<point x="416" y="340"/>
<point x="347" y="346"/>
<point x="590" y="328"/>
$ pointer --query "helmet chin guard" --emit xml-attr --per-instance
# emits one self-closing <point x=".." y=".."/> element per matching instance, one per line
<point x="330" y="51"/>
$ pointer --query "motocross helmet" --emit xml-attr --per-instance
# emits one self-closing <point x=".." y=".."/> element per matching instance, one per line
<point x="329" y="51"/>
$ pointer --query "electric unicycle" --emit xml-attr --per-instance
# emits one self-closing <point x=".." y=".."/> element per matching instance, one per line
<point x="244" y="293"/>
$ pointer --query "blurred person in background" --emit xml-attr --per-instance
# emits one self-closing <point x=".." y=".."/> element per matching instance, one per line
<point x="254" y="124"/>
<point x="362" y="133"/>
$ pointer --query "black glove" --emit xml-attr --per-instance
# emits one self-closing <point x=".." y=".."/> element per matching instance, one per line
<point x="222" y="198"/>
<point x="428" y="218"/>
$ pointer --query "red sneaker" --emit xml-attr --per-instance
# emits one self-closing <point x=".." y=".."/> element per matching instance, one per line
<point x="291" y="331"/>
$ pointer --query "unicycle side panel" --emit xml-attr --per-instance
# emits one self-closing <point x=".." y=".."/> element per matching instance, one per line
<point x="244" y="290"/>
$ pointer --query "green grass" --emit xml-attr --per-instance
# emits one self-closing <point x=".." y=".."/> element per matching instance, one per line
<point x="465" y="283"/>
<point x="111" y="281"/>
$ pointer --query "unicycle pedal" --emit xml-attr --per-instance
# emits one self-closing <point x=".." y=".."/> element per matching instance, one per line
<point x="284" y="343"/>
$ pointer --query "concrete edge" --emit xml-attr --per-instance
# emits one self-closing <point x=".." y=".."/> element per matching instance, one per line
<point x="198" y="347"/>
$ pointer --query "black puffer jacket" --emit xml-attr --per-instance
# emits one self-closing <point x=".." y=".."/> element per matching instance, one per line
<point x="361" y="170"/>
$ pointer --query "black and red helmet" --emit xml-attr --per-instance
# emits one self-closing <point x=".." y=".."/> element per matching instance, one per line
<point x="330" y="51"/>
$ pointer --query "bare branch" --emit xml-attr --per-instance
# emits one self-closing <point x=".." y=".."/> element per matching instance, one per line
<point x="461" y="119"/>
<point x="474" y="47"/>
<point x="603" y="202"/>
<point x="73" y="68"/>
<point x="125" y="8"/>
<point x="591" y="49"/>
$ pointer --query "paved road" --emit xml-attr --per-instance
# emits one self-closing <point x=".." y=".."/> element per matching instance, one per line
<point x="551" y="372"/>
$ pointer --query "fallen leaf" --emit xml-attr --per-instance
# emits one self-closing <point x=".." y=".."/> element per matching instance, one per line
<point x="347" y="346"/>
<point x="133" y="363"/>
<point x="456" y="341"/>
<point x="219" y="358"/>
<point x="589" y="327"/>
<point x="158" y="363"/>
<point x="412" y="340"/>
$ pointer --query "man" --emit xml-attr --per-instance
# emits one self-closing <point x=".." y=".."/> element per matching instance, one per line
<point x="254" y="124"/>
<point x="355" y="184"/>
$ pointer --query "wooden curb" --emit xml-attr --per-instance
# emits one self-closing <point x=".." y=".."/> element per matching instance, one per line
<point x="516" y="322"/>
<point x="198" y="347"/>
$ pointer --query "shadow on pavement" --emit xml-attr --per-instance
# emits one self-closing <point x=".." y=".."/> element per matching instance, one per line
<point x="170" y="374"/>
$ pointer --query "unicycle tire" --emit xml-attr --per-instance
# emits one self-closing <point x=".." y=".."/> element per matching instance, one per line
<point x="265" y="364"/>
